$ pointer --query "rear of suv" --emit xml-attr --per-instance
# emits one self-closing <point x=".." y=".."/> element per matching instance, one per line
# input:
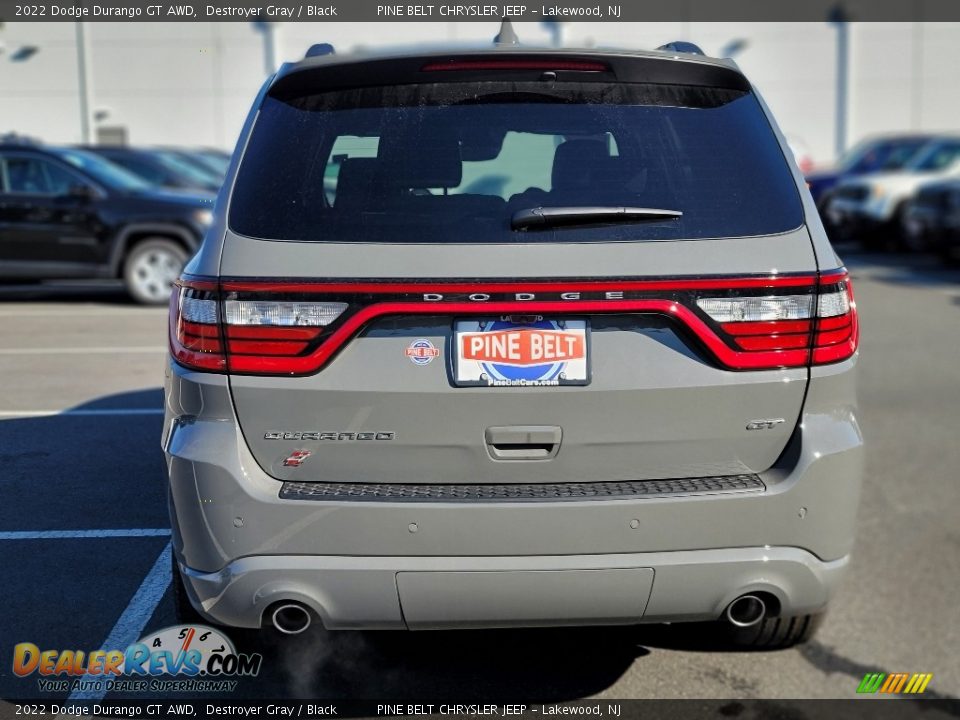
<point x="513" y="338"/>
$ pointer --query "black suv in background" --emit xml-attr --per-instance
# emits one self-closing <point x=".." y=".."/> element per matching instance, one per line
<point x="159" y="167"/>
<point x="932" y="219"/>
<point x="67" y="213"/>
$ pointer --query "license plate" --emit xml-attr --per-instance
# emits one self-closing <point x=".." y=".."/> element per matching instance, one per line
<point x="521" y="351"/>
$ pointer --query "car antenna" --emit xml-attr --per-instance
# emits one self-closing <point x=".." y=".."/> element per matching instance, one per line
<point x="507" y="35"/>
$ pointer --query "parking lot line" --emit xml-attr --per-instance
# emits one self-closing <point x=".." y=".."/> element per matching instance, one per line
<point x="135" y="616"/>
<point x="75" y="534"/>
<point x="80" y="413"/>
<point x="92" y="312"/>
<point x="85" y="350"/>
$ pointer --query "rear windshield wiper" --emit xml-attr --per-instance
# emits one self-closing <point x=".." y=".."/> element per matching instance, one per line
<point x="539" y="218"/>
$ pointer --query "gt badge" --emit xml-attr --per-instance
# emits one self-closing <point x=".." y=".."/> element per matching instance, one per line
<point x="765" y="424"/>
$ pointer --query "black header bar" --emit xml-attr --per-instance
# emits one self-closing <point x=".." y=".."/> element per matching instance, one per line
<point x="491" y="11"/>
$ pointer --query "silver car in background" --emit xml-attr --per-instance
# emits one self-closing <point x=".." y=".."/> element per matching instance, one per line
<point x="513" y="338"/>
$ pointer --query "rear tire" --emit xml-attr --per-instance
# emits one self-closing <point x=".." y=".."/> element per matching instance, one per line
<point x="150" y="269"/>
<point x="773" y="633"/>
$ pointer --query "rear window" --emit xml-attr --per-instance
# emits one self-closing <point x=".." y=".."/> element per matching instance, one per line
<point x="454" y="162"/>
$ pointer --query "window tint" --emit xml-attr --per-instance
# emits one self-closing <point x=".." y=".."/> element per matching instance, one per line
<point x="37" y="176"/>
<point x="104" y="171"/>
<point x="141" y="168"/>
<point x="938" y="156"/>
<point x="453" y="162"/>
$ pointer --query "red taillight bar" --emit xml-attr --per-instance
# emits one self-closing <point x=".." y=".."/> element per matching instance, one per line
<point x="297" y="350"/>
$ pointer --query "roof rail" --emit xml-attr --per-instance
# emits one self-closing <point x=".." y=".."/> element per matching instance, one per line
<point x="682" y="46"/>
<point x="319" y="50"/>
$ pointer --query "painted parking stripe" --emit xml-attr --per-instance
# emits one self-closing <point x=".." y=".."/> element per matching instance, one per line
<point x="92" y="312"/>
<point x="77" y="534"/>
<point x="105" y="412"/>
<point x="129" y="626"/>
<point x="128" y="350"/>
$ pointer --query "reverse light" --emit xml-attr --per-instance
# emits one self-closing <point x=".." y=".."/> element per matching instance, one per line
<point x="834" y="303"/>
<point x="757" y="309"/>
<point x="281" y="314"/>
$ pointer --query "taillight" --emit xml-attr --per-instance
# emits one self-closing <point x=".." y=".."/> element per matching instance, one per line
<point x="837" y="329"/>
<point x="263" y="335"/>
<point x="790" y="330"/>
<point x="195" y="340"/>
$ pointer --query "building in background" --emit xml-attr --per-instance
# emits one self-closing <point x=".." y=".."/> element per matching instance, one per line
<point x="192" y="83"/>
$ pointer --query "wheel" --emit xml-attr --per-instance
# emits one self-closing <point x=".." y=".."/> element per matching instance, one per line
<point x="893" y="231"/>
<point x="773" y="633"/>
<point x="150" y="269"/>
<point x="913" y="235"/>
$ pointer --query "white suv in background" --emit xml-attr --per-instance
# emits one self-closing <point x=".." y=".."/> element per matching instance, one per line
<point x="872" y="208"/>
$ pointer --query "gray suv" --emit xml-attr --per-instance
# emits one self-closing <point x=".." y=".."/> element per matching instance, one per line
<point x="513" y="338"/>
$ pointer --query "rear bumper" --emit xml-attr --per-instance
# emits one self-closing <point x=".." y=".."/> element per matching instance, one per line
<point x="468" y="592"/>
<point x="242" y="547"/>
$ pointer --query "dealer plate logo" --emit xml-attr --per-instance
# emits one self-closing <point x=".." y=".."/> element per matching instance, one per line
<point x="422" y="352"/>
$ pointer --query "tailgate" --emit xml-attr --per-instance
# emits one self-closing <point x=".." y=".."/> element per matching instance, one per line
<point x="386" y="406"/>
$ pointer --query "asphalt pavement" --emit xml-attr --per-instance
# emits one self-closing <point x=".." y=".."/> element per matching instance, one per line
<point x="83" y="525"/>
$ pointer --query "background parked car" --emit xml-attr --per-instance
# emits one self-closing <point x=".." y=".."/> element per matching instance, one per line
<point x="67" y="213"/>
<point x="213" y="161"/>
<point x="873" y="208"/>
<point x="879" y="154"/>
<point x="161" y="168"/>
<point x="932" y="220"/>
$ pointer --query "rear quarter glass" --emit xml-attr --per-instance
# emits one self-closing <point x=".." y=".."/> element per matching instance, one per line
<point x="453" y="162"/>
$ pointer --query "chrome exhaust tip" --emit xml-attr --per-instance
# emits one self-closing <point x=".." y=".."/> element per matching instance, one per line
<point x="291" y="618"/>
<point x="746" y="611"/>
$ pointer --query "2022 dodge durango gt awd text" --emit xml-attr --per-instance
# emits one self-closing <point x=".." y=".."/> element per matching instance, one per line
<point x="513" y="338"/>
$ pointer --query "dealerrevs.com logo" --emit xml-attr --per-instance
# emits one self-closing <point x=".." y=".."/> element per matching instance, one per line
<point x="181" y="658"/>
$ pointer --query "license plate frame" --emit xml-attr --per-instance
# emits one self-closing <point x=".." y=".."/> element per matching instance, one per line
<point x="503" y="361"/>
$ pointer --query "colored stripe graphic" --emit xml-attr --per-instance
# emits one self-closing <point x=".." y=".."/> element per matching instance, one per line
<point x="871" y="682"/>
<point x="895" y="683"/>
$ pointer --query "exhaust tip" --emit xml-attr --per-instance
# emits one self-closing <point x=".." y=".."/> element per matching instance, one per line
<point x="746" y="611"/>
<point x="291" y="618"/>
